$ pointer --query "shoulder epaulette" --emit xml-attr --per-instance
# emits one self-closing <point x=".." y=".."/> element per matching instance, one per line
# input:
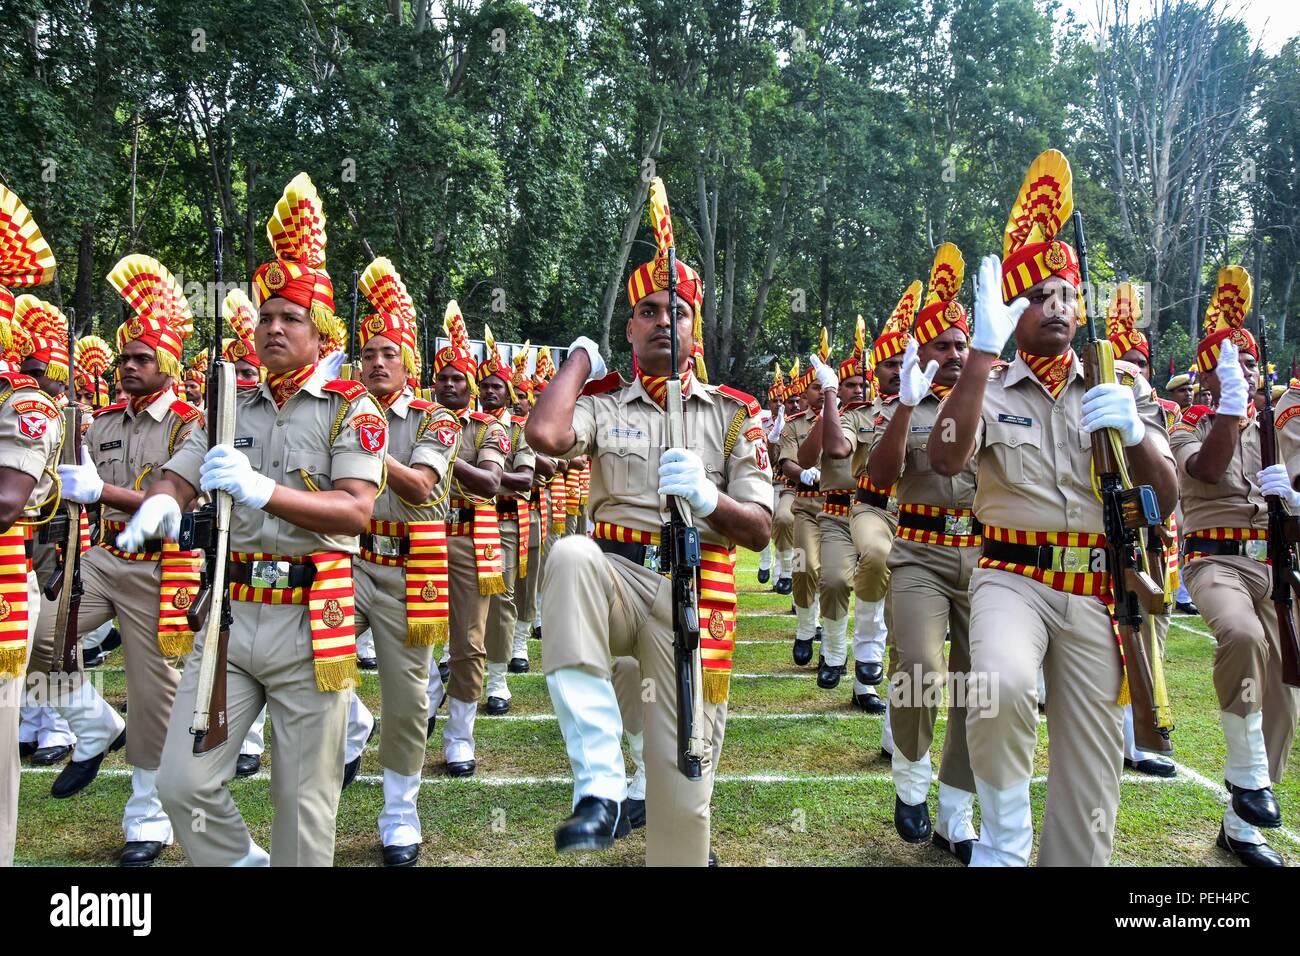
<point x="608" y="383"/>
<point x="348" y="388"/>
<point x="185" y="411"/>
<point x="117" y="407"/>
<point x="889" y="399"/>
<point x="482" y="417"/>
<point x="423" y="405"/>
<point x="518" y="419"/>
<point x="851" y="406"/>
<point x="749" y="401"/>
<point x="19" y="380"/>
<point x="1194" y="414"/>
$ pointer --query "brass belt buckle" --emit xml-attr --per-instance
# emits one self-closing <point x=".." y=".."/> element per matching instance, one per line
<point x="891" y="506"/>
<point x="959" y="524"/>
<point x="387" y="545"/>
<point x="651" y="559"/>
<point x="270" y="574"/>
<point x="1078" y="560"/>
<point x="1257" y="549"/>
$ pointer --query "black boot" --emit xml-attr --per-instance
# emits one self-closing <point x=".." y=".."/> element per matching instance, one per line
<point x="783" y="585"/>
<point x="1257" y="807"/>
<point x="590" y="827"/>
<point x="869" y="672"/>
<point x="764" y="575"/>
<point x="961" y="849"/>
<point x="802" y="651"/>
<point x="49" y="756"/>
<point x="1250" y="854"/>
<point x="1151" y="766"/>
<point x="518" y="665"/>
<point x="828" y="675"/>
<point x="401" y="855"/>
<point x="248" y="764"/>
<point x="140" y="853"/>
<point x="871" y="703"/>
<point x="78" y="774"/>
<point x="444" y="671"/>
<point x="912" y="822"/>
<point x="496" y="706"/>
<point x="350" y="772"/>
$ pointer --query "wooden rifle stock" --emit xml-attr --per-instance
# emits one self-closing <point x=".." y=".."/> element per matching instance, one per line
<point x="66" y="580"/>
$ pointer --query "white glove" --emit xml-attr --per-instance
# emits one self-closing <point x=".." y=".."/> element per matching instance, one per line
<point x="778" y="423"/>
<point x="1234" y="395"/>
<point x="159" y="516"/>
<point x="81" y="483"/>
<point x="681" y="473"/>
<point x="826" y="376"/>
<point x="810" y="476"/>
<point x="1112" y="406"/>
<point x="593" y="353"/>
<point x="1274" y="480"/>
<point x="915" y="384"/>
<point x="228" y="469"/>
<point x="332" y="364"/>
<point x="995" y="321"/>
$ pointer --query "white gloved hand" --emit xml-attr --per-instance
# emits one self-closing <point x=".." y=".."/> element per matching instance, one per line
<point x="915" y="384"/>
<point x="1274" y="480"/>
<point x="810" y="476"/>
<point x="81" y="483"/>
<point x="995" y="321"/>
<point x="1112" y="406"/>
<point x="159" y="516"/>
<point x="681" y="473"/>
<point x="593" y="353"/>
<point x="332" y="364"/>
<point x="228" y="469"/>
<point x="778" y="423"/>
<point x="1234" y="394"/>
<point x="826" y="376"/>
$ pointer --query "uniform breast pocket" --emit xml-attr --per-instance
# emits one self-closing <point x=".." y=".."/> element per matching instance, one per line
<point x="112" y="468"/>
<point x="1017" y="450"/>
<point x="309" y="466"/>
<point x="253" y="449"/>
<point x="624" y="465"/>
<point x="918" y="454"/>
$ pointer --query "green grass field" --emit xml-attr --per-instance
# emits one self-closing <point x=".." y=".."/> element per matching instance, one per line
<point x="802" y="780"/>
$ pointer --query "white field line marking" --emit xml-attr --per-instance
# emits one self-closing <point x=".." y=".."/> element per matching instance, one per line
<point x="808" y="675"/>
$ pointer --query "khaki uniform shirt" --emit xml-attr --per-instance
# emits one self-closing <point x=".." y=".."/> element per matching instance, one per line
<point x="1034" y="462"/>
<point x="625" y="433"/>
<point x="837" y="473"/>
<point x="1235" y="501"/>
<point x="920" y="484"/>
<point x="31" y="433"/>
<point x="1286" y="418"/>
<point x="420" y="432"/>
<point x="793" y="434"/>
<point x="521" y="456"/>
<point x="860" y="429"/>
<point x="294" y="445"/>
<point x="129" y="449"/>
<point x="483" y="440"/>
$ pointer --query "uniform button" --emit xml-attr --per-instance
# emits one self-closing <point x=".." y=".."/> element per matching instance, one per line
<point x="1060" y="444"/>
<point x="275" y="464"/>
<point x="279" y="423"/>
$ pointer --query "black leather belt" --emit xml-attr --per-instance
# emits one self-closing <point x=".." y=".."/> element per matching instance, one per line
<point x="508" y="511"/>
<point x="873" y="498"/>
<point x="460" y="516"/>
<point x="936" y="523"/>
<point x="1047" y="557"/>
<point x="403" y="545"/>
<point x="294" y="576"/>
<point x="29" y="547"/>
<point x="1214" y="546"/>
<point x="843" y="501"/>
<point x="638" y="554"/>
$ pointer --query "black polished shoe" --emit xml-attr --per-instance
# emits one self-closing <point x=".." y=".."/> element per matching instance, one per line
<point x="26" y="748"/>
<point x="871" y="703"/>
<point x="1187" y="607"/>
<point x="764" y="575"/>
<point x="248" y="764"/>
<point x="368" y="663"/>
<point x="633" y="811"/>
<point x="1151" y="766"/>
<point x="518" y="665"/>
<point x="961" y="849"/>
<point x="912" y="823"/>
<point x="783" y="586"/>
<point x="496" y="706"/>
<point x="78" y="774"/>
<point x="802" y="652"/>
<point x="1257" y="807"/>
<point x="140" y="853"/>
<point x="1250" y="854"/>
<point x="461" y="768"/>
<point x="433" y="722"/>
<point x="537" y="633"/>
<point x="111" y="642"/>
<point x="444" y="671"/>
<point x="93" y="658"/>
<point x="713" y="857"/>
<point x="401" y="855"/>
<point x="828" y="675"/>
<point x="350" y="772"/>
<point x="48" y="756"/>
<point x="869" y="672"/>
<point x="817" y="635"/>
<point x="591" y="826"/>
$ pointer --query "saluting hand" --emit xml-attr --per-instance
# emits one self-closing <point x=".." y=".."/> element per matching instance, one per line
<point x="226" y="468"/>
<point x="915" y="384"/>
<point x="681" y="473"/>
<point x="593" y="354"/>
<point x="1234" y="394"/>
<point x="826" y="376"/>
<point x="995" y="321"/>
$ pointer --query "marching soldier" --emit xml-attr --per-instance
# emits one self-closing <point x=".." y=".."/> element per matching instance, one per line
<point x="474" y="558"/>
<point x="1035" y="594"/>
<point x="600" y="600"/>
<point x="1225" y="528"/>
<point x="303" y="472"/>
<point x="539" y="518"/>
<point x="785" y="405"/>
<point x="835" y="536"/>
<point x="805" y="508"/>
<point x="401" y="579"/>
<point x="494" y="377"/>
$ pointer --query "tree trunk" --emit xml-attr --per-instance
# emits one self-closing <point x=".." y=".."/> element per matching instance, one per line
<point x="84" y="298"/>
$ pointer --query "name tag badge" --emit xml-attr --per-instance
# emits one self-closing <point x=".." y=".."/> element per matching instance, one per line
<point x="1016" y="420"/>
<point x="922" y="429"/>
<point x="866" y="429"/>
<point x="246" y="442"/>
<point x="633" y="433"/>
<point x="110" y="445"/>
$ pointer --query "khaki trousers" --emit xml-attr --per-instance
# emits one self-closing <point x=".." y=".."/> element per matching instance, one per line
<point x="783" y="522"/>
<point x="12" y="691"/>
<point x="597" y="607"/>
<point x="873" y="537"/>
<point x="500" y="627"/>
<point x="807" y="553"/>
<point x="929" y="599"/>
<point x="269" y="664"/>
<point x="629" y="689"/>
<point x="1233" y="595"/>
<point x="526" y="587"/>
<point x="839" y="562"/>
<point x="403" y="669"/>
<point x="127" y="590"/>
<point x="469" y="611"/>
<point x="1016" y="625"/>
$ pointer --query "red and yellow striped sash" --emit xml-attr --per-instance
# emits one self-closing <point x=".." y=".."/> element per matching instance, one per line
<point x="14" y="566"/>
<point x="836" y="509"/>
<point x="181" y="572"/>
<point x="487" y="543"/>
<point x="329" y="601"/>
<point x="717" y="605"/>
<point x="427" y="606"/>
<point x="924" y="536"/>
<point x="1092" y="583"/>
<point x="521" y="563"/>
<point x="558" y="504"/>
<point x="867" y="484"/>
<point x="572" y="492"/>
<point x="1223" y="534"/>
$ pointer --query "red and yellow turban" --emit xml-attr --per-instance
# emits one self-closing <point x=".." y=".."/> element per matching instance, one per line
<point x="296" y="231"/>
<point x="162" y="320"/>
<point x="94" y="357"/>
<point x="394" y="316"/>
<point x="197" y="371"/>
<point x="942" y="311"/>
<point x="25" y="256"/>
<point x="1030" y="250"/>
<point x="520" y="382"/>
<point x="1226" y="317"/>
<point x="897" y="332"/>
<point x="492" y="363"/>
<point x="1121" y="322"/>
<point x="777" y="390"/>
<point x="653" y="275"/>
<point x="44" y="335"/>
<point x="853" y="365"/>
<point x="242" y="319"/>
<point x="800" y="383"/>
<point x="457" y="355"/>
